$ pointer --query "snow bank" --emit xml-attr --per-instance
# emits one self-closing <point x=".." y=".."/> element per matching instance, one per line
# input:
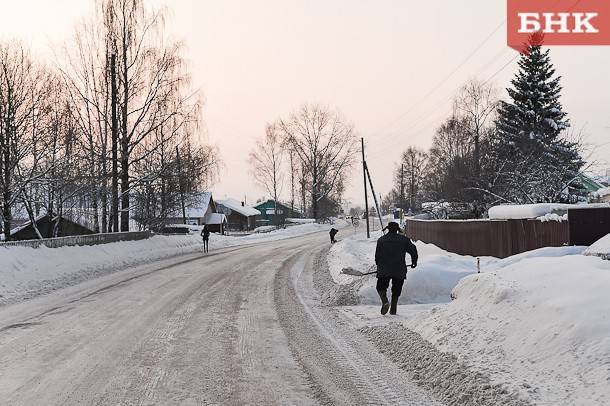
<point x="300" y="221"/>
<point x="437" y="272"/>
<point x="26" y="272"/>
<point x="601" y="248"/>
<point x="537" y="321"/>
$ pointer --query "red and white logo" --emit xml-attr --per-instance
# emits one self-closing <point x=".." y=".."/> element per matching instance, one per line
<point x="562" y="22"/>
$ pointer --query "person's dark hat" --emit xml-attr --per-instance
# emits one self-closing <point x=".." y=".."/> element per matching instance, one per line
<point x="392" y="226"/>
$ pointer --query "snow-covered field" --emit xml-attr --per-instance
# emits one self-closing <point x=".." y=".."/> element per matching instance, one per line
<point x="26" y="272"/>
<point x="537" y="323"/>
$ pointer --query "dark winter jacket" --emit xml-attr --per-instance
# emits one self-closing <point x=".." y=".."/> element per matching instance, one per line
<point x="333" y="232"/>
<point x="205" y="233"/>
<point x="390" y="255"/>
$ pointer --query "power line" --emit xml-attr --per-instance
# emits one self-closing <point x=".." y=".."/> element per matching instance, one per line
<point x="386" y="145"/>
<point x="501" y="69"/>
<point x="445" y="79"/>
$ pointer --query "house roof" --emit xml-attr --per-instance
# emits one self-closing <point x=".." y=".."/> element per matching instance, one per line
<point x="591" y="185"/>
<point x="197" y="205"/>
<point x="236" y="206"/>
<point x="27" y="224"/>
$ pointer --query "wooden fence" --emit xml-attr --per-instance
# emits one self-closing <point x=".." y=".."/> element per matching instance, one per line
<point x="91" y="239"/>
<point x="588" y="225"/>
<point x="496" y="238"/>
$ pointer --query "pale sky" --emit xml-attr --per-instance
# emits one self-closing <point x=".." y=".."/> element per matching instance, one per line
<point x="376" y="61"/>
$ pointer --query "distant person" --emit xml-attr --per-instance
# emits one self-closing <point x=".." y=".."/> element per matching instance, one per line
<point x="205" y="234"/>
<point x="390" y="259"/>
<point x="333" y="232"/>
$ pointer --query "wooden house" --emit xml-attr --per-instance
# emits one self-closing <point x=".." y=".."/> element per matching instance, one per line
<point x="201" y="209"/>
<point x="268" y="215"/>
<point x="46" y="224"/>
<point x="239" y="216"/>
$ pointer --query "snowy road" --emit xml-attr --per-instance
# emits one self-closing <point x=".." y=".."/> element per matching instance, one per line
<point x="237" y="326"/>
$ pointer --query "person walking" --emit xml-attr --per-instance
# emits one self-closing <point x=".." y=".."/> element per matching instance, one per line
<point x="333" y="232"/>
<point x="205" y="234"/>
<point x="391" y="266"/>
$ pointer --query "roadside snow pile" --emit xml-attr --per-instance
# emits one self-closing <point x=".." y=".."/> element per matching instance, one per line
<point x="436" y="274"/>
<point x="292" y="231"/>
<point x="538" y="322"/>
<point x="601" y="248"/>
<point x="300" y="221"/>
<point x="27" y="272"/>
<point x="264" y="229"/>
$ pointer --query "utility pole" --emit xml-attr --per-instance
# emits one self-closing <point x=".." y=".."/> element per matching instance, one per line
<point x="181" y="185"/>
<point x="366" y="198"/>
<point x="114" y="211"/>
<point x="366" y="168"/>
<point x="402" y="187"/>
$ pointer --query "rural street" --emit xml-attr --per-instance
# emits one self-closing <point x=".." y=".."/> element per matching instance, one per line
<point x="236" y="326"/>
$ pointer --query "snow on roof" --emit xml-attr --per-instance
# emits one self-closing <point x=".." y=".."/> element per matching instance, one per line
<point x="27" y="224"/>
<point x="605" y="191"/>
<point x="234" y="205"/>
<point x="215" y="218"/>
<point x="198" y="204"/>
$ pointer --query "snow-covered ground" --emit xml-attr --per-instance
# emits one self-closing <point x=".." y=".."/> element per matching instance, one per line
<point x="26" y="272"/>
<point x="537" y="323"/>
<point x="431" y="282"/>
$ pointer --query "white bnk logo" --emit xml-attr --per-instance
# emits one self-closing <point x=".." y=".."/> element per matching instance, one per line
<point x="557" y="23"/>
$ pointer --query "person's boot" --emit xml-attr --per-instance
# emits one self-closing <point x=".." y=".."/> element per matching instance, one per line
<point x="384" y="301"/>
<point x="394" y="304"/>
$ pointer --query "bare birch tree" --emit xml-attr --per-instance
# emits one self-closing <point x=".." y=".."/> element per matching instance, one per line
<point x="23" y="96"/>
<point x="325" y="144"/>
<point x="477" y="102"/>
<point x="266" y="163"/>
<point x="153" y="84"/>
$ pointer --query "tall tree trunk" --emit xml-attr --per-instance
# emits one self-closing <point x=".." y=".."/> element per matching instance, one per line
<point x="291" y="182"/>
<point x="124" y="185"/>
<point x="6" y="215"/>
<point x="114" y="211"/>
<point x="125" y="144"/>
<point x="314" y="191"/>
<point x="104" y="193"/>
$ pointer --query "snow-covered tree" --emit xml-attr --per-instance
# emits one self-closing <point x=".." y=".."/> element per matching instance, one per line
<point x="535" y="160"/>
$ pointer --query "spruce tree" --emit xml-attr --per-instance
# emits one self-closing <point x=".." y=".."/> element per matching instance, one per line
<point x="535" y="161"/>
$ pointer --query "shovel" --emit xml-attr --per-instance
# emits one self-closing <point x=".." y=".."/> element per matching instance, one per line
<point x="353" y="272"/>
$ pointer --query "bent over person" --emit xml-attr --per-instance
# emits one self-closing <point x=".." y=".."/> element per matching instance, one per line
<point x="333" y="232"/>
<point x="391" y="266"/>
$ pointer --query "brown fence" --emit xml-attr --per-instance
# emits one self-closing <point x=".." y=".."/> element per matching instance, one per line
<point x="497" y="238"/>
<point x="91" y="239"/>
<point x="588" y="225"/>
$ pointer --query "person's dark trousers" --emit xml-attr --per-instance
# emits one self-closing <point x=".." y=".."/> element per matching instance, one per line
<point x="205" y="245"/>
<point x="382" y="288"/>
